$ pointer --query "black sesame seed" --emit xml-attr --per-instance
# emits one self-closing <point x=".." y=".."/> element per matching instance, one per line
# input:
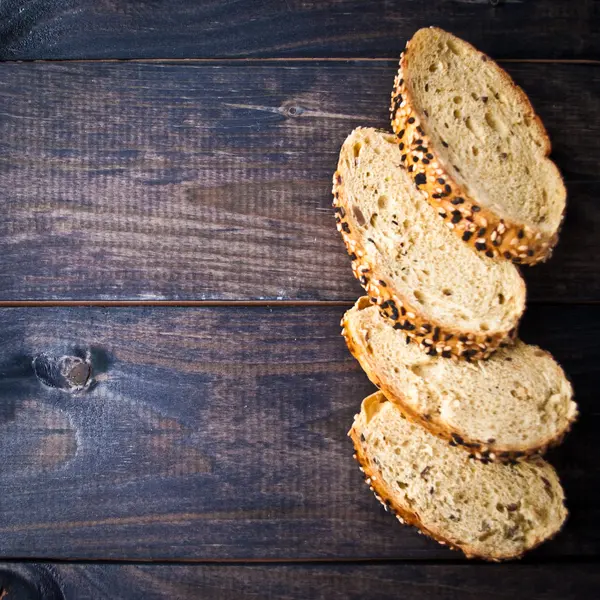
<point x="437" y="196"/>
<point x="363" y="280"/>
<point x="489" y="254"/>
<point x="521" y="234"/>
<point x="410" y="169"/>
<point x="403" y="157"/>
<point x="402" y="310"/>
<point x="420" y="179"/>
<point x="409" y="326"/>
<point x="444" y="144"/>
<point x="385" y="304"/>
<point x="458" y="439"/>
<point x="401" y="133"/>
<point x="463" y="338"/>
<point x="467" y="235"/>
<point x="425" y="161"/>
<point x="432" y="351"/>
<point x="407" y="340"/>
<point x="411" y="120"/>
<point x="507" y="255"/>
<point x="401" y="145"/>
<point x="446" y="354"/>
<point x="346" y="227"/>
<point x="339" y="179"/>
<point x="481" y="232"/>
<point x="420" y="130"/>
<point x="373" y="300"/>
<point x="418" y="141"/>
<point x="398" y="326"/>
<point x="448" y="337"/>
<point x="530" y="252"/>
<point x="429" y="156"/>
<point x="421" y="148"/>
<point x="480" y="246"/>
<point x="362" y="437"/>
<point x="382" y="283"/>
<point x="426" y="327"/>
<point x="415" y="158"/>
<point x="441" y="181"/>
<point x="340" y="209"/>
<point x="436" y="334"/>
<point x="475" y="208"/>
<point x="443" y="215"/>
<point x="456" y="216"/>
<point x="447" y="189"/>
<point x="458" y="200"/>
<point x="353" y="256"/>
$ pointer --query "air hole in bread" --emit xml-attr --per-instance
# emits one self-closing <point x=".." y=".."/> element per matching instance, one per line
<point x="457" y="99"/>
<point x="418" y="296"/>
<point x="447" y="292"/>
<point x="433" y="68"/>
<point x="539" y="353"/>
<point x="373" y="219"/>
<point x="426" y="87"/>
<point x="357" y="148"/>
<point x="382" y="202"/>
<point x="545" y="195"/>
<point x="453" y="47"/>
<point x="446" y="125"/>
<point x="358" y="215"/>
<point x="474" y="96"/>
<point x="495" y="124"/>
<point x="484" y="327"/>
<point x="401" y="484"/>
<point x="500" y="298"/>
<point x="457" y="114"/>
<point x="475" y="150"/>
<point x="369" y="348"/>
<point x="499" y="507"/>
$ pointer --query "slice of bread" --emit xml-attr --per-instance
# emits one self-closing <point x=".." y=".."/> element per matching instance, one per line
<point x="515" y="404"/>
<point x="472" y="141"/>
<point x="492" y="511"/>
<point x="451" y="299"/>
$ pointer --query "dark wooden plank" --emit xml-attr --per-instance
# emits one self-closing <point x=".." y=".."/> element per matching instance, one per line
<point x="199" y="181"/>
<point x="300" y="581"/>
<point x="347" y="28"/>
<point x="220" y="433"/>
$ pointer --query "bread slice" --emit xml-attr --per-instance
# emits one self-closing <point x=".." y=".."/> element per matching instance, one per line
<point x="515" y="404"/>
<point x="491" y="511"/>
<point x="472" y="141"/>
<point x="451" y="299"/>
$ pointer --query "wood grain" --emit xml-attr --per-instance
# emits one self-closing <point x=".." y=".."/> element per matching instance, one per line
<point x="217" y="433"/>
<point x="198" y="181"/>
<point x="301" y="581"/>
<point x="341" y="28"/>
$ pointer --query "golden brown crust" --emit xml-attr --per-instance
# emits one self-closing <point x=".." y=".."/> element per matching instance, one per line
<point x="386" y="497"/>
<point x="434" y="338"/>
<point x="474" y="224"/>
<point x="482" y="451"/>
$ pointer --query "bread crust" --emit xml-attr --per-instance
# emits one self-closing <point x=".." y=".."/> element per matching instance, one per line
<point x="477" y="449"/>
<point x="386" y="497"/>
<point x="476" y="225"/>
<point x="433" y="337"/>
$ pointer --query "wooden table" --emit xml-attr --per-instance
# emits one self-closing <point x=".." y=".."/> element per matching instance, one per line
<point x="165" y="218"/>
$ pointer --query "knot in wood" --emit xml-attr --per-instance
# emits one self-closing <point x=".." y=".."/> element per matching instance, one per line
<point x="69" y="373"/>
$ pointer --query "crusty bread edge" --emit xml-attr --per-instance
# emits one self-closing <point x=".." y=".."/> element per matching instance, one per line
<point x="477" y="449"/>
<point x="476" y="225"/>
<point x="450" y="342"/>
<point x="386" y="497"/>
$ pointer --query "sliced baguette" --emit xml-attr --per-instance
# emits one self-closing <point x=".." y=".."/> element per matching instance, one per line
<point x="444" y="295"/>
<point x="515" y="404"/>
<point x="480" y="149"/>
<point x="491" y="511"/>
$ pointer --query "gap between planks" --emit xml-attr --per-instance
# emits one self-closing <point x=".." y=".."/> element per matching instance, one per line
<point x="564" y="560"/>
<point x="266" y="60"/>
<point x="226" y="303"/>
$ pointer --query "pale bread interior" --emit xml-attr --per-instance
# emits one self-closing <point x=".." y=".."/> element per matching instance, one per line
<point x="410" y="245"/>
<point x="491" y="510"/>
<point x="483" y="130"/>
<point x="518" y="399"/>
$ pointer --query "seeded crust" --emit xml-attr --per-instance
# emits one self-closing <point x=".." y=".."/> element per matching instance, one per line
<point x="385" y="496"/>
<point x="484" y="452"/>
<point x="475" y="224"/>
<point x="434" y="338"/>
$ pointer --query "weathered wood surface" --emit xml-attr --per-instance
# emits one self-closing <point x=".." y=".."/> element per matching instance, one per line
<point x="220" y="433"/>
<point x="204" y="181"/>
<point x="359" y="581"/>
<point x="349" y="28"/>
